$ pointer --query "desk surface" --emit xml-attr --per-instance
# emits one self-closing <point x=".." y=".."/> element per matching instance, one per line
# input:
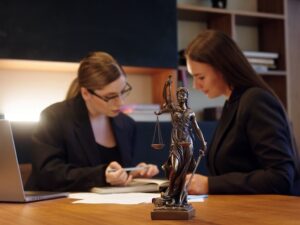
<point x="216" y="210"/>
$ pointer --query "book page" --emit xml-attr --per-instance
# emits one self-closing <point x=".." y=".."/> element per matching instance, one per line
<point x="137" y="181"/>
<point x="137" y="185"/>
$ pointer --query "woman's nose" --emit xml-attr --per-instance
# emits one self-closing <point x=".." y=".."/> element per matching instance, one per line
<point x="121" y="100"/>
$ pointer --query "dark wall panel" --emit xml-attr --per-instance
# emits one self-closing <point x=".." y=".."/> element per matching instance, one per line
<point x="136" y="32"/>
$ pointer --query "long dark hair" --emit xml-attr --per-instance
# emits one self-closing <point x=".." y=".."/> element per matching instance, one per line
<point x="95" y="71"/>
<point x="221" y="52"/>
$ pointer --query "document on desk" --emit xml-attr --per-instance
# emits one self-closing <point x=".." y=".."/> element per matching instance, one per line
<point x="123" y="198"/>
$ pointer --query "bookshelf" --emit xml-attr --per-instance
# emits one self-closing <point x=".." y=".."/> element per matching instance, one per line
<point x="158" y="79"/>
<point x="267" y="26"/>
<point x="158" y="75"/>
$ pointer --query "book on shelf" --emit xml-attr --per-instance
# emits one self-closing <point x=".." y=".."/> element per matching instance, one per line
<point x="129" y="108"/>
<point x="137" y="185"/>
<point x="149" y="116"/>
<point x="182" y="78"/>
<point x="260" y="68"/>
<point x="261" y="61"/>
<point x="256" y="54"/>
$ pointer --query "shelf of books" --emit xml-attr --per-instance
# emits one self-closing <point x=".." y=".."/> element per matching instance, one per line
<point x="145" y="112"/>
<point x="264" y="63"/>
<point x="258" y="28"/>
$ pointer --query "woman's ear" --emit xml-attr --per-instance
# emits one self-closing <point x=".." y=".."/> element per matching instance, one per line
<point x="86" y="95"/>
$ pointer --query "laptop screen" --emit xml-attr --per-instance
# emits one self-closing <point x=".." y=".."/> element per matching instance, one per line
<point x="11" y="188"/>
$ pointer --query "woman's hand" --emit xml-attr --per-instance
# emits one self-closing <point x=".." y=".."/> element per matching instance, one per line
<point x="149" y="171"/>
<point x="118" y="176"/>
<point x="198" y="184"/>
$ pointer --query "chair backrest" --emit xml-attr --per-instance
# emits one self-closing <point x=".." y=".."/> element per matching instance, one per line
<point x="22" y="132"/>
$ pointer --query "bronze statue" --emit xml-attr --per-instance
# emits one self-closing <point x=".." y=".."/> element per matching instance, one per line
<point x="173" y="202"/>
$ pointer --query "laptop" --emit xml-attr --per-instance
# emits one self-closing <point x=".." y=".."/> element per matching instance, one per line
<point x="11" y="185"/>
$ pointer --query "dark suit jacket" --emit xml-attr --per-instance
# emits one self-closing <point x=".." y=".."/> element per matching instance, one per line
<point x="65" y="156"/>
<point x="252" y="151"/>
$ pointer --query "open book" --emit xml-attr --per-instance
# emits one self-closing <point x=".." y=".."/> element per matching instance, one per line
<point x="137" y="185"/>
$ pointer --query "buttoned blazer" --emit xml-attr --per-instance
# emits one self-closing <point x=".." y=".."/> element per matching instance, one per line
<point x="64" y="153"/>
<point x="252" y="151"/>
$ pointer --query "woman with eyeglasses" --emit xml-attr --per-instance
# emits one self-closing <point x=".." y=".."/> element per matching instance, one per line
<point x="86" y="141"/>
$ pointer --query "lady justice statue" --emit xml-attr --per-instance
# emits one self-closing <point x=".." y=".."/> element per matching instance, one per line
<point x="173" y="202"/>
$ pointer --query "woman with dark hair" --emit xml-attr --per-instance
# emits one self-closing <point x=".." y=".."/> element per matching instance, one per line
<point x="253" y="150"/>
<point x="85" y="141"/>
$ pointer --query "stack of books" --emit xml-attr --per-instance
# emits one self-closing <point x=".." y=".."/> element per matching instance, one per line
<point x="262" y="61"/>
<point x="144" y="112"/>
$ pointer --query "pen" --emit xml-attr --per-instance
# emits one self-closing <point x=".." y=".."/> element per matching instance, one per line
<point x="129" y="168"/>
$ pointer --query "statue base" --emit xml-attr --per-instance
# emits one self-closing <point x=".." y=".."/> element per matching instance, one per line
<point x="173" y="213"/>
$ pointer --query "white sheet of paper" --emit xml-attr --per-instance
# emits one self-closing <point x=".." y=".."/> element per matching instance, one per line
<point x="123" y="198"/>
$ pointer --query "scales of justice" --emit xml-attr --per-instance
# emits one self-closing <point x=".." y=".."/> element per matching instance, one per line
<point x="173" y="204"/>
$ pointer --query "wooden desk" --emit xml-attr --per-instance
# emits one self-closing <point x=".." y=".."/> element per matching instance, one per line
<point x="216" y="210"/>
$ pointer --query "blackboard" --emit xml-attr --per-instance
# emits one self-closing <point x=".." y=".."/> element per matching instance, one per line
<point x="136" y="32"/>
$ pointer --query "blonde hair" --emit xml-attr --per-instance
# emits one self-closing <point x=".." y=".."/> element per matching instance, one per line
<point x="95" y="71"/>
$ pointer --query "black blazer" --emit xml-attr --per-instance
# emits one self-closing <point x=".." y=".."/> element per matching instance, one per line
<point x="65" y="156"/>
<point x="252" y="150"/>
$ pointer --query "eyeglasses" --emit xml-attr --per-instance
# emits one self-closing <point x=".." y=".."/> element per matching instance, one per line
<point x="111" y="99"/>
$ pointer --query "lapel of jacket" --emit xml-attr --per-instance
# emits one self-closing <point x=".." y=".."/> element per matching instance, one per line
<point x="229" y="113"/>
<point x="84" y="132"/>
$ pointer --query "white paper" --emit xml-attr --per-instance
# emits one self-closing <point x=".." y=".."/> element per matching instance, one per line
<point x="123" y="198"/>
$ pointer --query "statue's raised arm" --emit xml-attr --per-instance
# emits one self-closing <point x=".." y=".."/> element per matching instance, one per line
<point x="167" y="91"/>
<point x="168" y="105"/>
